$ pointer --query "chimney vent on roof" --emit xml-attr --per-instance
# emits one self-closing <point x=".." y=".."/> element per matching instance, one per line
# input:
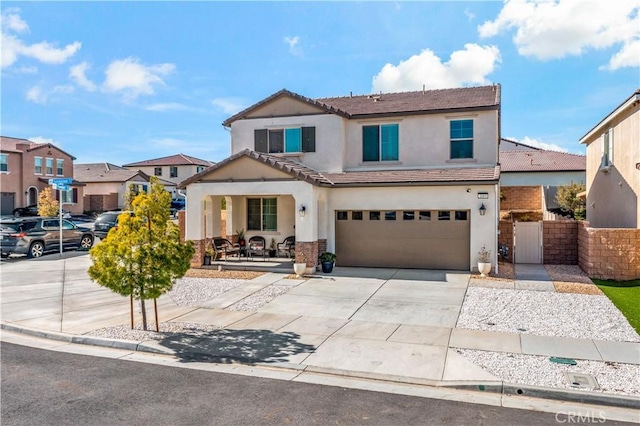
<point x="351" y="94"/>
<point x="424" y="88"/>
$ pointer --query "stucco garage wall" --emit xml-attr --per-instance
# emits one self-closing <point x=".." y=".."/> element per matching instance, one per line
<point x="483" y="228"/>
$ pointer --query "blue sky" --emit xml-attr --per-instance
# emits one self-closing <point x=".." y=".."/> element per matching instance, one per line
<point x="129" y="81"/>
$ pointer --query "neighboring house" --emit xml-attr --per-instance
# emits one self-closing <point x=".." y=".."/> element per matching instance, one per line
<point x="405" y="180"/>
<point x="530" y="177"/>
<point x="174" y="168"/>
<point x="25" y="170"/>
<point x="613" y="167"/>
<point x="107" y="185"/>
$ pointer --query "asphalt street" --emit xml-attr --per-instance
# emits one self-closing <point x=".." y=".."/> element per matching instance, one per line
<point x="44" y="387"/>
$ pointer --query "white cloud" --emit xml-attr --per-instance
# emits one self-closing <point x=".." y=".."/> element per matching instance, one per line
<point x="132" y="78"/>
<point x="468" y="66"/>
<point x="39" y="96"/>
<point x="168" y="143"/>
<point x="78" y="74"/>
<point x="470" y="15"/>
<point x="11" y="20"/>
<point x="294" y="48"/>
<point x="13" y="47"/>
<point x="36" y="95"/>
<point x="229" y="105"/>
<point x="628" y="56"/>
<point x="555" y="29"/>
<point x="169" y="106"/>
<point x="539" y="144"/>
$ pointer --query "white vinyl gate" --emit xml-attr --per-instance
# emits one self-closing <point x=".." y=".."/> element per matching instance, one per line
<point x="527" y="241"/>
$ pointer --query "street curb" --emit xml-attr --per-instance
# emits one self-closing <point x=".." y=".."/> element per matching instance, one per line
<point x="498" y="387"/>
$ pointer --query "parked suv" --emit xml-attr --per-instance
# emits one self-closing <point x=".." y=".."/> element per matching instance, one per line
<point x="105" y="222"/>
<point x="38" y="235"/>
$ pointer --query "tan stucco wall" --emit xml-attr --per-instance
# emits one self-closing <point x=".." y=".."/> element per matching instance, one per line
<point x="329" y="138"/>
<point x="285" y="106"/>
<point x="424" y="141"/>
<point x="613" y="197"/>
<point x="184" y="172"/>
<point x="245" y="169"/>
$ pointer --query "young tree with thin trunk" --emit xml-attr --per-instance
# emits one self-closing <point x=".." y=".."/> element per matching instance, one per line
<point x="143" y="256"/>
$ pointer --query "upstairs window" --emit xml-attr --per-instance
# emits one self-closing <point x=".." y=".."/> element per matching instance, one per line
<point x="49" y="166"/>
<point x="276" y="141"/>
<point x="60" y="167"/>
<point x="68" y="197"/>
<point x="199" y="169"/>
<point x="262" y="214"/>
<point x="173" y="171"/>
<point x="38" y="165"/>
<point x="607" y="148"/>
<point x="461" y="137"/>
<point x="380" y="143"/>
<point x="157" y="171"/>
<point x="4" y="162"/>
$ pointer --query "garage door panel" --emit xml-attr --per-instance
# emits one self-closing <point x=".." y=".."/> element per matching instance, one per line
<point x="435" y="244"/>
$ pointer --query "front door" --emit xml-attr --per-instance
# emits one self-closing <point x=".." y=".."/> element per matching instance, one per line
<point x="527" y="237"/>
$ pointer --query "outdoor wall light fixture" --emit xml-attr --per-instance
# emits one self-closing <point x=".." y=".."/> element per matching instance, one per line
<point x="302" y="211"/>
<point x="483" y="209"/>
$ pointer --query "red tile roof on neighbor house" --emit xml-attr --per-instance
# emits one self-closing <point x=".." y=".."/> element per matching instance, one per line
<point x="383" y="104"/>
<point x="172" y="160"/>
<point x="541" y="161"/>
<point x="360" y="178"/>
<point x="104" y="172"/>
<point x="10" y="144"/>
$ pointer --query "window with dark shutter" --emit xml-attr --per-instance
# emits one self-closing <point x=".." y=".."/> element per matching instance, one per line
<point x="260" y="142"/>
<point x="308" y="139"/>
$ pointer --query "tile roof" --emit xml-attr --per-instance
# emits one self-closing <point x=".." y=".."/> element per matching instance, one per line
<point x="295" y="169"/>
<point x="393" y="103"/>
<point x="171" y="160"/>
<point x="360" y="178"/>
<point x="420" y="101"/>
<point x="420" y="176"/>
<point x="541" y="161"/>
<point x="8" y="143"/>
<point x="104" y="172"/>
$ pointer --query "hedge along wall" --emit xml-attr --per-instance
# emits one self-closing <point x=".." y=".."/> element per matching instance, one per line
<point x="609" y="253"/>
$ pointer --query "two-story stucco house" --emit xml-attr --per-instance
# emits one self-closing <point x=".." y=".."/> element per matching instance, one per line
<point x="25" y="170"/>
<point x="174" y="168"/>
<point x="613" y="167"/>
<point x="107" y="184"/>
<point x="405" y="180"/>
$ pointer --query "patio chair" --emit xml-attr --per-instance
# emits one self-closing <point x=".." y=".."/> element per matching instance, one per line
<point x="258" y="246"/>
<point x="287" y="247"/>
<point x="224" y="247"/>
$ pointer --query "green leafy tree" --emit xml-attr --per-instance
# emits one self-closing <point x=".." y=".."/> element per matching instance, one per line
<point x="47" y="205"/>
<point x="143" y="256"/>
<point x="567" y="198"/>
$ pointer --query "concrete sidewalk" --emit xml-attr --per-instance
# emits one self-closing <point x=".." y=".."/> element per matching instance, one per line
<point x="375" y="323"/>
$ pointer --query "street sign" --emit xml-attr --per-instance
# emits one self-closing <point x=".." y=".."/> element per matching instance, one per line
<point x="59" y="187"/>
<point x="63" y="181"/>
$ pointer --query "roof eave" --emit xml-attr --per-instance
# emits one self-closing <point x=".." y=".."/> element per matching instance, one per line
<point x="630" y="101"/>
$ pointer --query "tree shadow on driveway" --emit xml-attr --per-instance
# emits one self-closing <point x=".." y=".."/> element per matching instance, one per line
<point x="242" y="346"/>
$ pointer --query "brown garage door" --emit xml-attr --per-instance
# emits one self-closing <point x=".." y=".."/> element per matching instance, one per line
<point x="436" y="239"/>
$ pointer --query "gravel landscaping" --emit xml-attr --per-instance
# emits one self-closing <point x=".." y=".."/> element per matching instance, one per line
<point x="191" y="291"/>
<point x="539" y="371"/>
<point x="544" y="313"/>
<point x="137" y="334"/>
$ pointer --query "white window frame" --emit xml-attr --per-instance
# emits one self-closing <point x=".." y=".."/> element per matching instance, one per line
<point x="4" y="159"/>
<point x="46" y="166"/>
<point x="35" y="165"/>
<point x="60" y="166"/>
<point x="607" y="148"/>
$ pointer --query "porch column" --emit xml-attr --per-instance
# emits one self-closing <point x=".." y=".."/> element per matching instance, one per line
<point x="307" y="226"/>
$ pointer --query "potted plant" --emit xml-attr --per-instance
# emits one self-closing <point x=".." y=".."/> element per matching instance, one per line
<point x="484" y="261"/>
<point x="327" y="260"/>
<point x="300" y="265"/>
<point x="273" y="248"/>
<point x="208" y="255"/>
<point x="240" y="235"/>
